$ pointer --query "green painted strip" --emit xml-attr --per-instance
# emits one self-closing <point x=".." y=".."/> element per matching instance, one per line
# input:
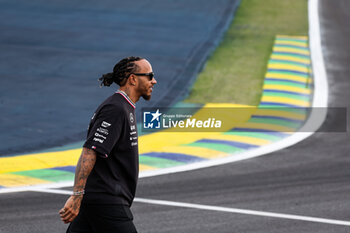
<point x="286" y="58"/>
<point x="48" y="174"/>
<point x="275" y="122"/>
<point x="214" y="146"/>
<point x="254" y="135"/>
<point x="288" y="63"/>
<point x="289" y="73"/>
<point x="291" y="96"/>
<point x="158" y="162"/>
<point x="300" y="45"/>
<point x="303" y="41"/>
<point x="290" y="84"/>
<point x="182" y="104"/>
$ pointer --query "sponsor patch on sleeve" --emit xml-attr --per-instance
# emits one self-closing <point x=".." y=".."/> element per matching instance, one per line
<point x="105" y="124"/>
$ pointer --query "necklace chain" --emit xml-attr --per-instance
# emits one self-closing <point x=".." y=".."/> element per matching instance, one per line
<point x="127" y="96"/>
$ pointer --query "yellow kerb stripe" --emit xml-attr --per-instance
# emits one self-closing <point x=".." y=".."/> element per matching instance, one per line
<point x="39" y="161"/>
<point x="281" y="113"/>
<point x="292" y="50"/>
<point x="12" y="180"/>
<point x="304" y="69"/>
<point x="278" y="128"/>
<point x="287" y="88"/>
<point x="288" y="77"/>
<point x="158" y="141"/>
<point x="242" y="139"/>
<point x="144" y="167"/>
<point x="194" y="151"/>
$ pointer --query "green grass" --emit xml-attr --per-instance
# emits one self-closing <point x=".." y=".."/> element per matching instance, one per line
<point x="235" y="71"/>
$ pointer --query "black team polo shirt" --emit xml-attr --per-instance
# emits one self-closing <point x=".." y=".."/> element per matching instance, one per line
<point x="112" y="134"/>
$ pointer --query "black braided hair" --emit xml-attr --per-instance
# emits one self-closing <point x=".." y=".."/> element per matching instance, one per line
<point x="121" y="72"/>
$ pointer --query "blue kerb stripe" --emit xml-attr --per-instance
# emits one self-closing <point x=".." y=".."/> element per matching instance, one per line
<point x="277" y="118"/>
<point x="269" y="132"/>
<point x="285" y="80"/>
<point x="174" y="156"/>
<point x="286" y="92"/>
<point x="289" y="71"/>
<point x="66" y="168"/>
<point x="292" y="46"/>
<point x="230" y="143"/>
<point x="290" y="53"/>
<point x="279" y="105"/>
<point x="292" y="62"/>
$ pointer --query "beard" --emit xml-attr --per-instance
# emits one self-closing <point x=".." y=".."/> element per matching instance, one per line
<point x="146" y="97"/>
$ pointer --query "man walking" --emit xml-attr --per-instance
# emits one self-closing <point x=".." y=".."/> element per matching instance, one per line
<point x="107" y="171"/>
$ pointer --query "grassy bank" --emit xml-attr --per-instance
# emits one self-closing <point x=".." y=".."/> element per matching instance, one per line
<point x="235" y="71"/>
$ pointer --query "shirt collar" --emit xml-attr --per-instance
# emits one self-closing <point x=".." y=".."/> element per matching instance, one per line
<point x="126" y="98"/>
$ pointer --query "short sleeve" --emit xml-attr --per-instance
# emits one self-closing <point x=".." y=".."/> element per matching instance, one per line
<point x="105" y="130"/>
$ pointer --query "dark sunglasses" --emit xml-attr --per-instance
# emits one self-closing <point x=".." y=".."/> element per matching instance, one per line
<point x="149" y="75"/>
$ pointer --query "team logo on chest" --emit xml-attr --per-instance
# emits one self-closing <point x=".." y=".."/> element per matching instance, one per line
<point x="131" y="118"/>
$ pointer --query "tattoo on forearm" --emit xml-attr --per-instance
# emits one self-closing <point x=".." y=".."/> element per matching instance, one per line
<point x="84" y="167"/>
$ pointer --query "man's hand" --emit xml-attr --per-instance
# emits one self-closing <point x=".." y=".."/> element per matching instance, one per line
<point x="85" y="165"/>
<point x="71" y="209"/>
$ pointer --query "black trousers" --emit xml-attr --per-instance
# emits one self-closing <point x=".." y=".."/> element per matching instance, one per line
<point x="103" y="219"/>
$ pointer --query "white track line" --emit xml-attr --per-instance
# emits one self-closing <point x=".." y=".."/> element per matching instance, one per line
<point x="222" y="209"/>
<point x="315" y="120"/>
<point x="243" y="211"/>
<point x="35" y="187"/>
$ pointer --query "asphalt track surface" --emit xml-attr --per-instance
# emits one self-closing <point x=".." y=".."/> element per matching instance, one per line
<point x="53" y="52"/>
<point x="311" y="178"/>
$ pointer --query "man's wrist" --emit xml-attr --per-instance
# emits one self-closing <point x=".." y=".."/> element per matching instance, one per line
<point x="78" y="193"/>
